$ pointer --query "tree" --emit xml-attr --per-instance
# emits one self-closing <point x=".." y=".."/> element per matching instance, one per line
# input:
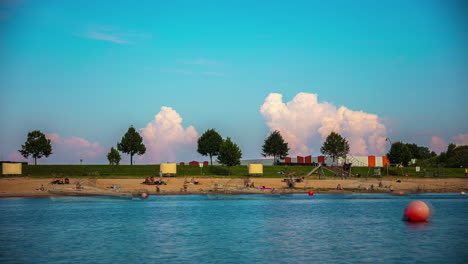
<point x="209" y="144"/>
<point x="132" y="143"/>
<point x="275" y="146"/>
<point x="36" y="145"/>
<point x="335" y="146"/>
<point x="454" y="157"/>
<point x="445" y="156"/>
<point x="113" y="156"/>
<point x="229" y="153"/>
<point x="458" y="157"/>
<point x="399" y="153"/>
<point x="420" y="153"/>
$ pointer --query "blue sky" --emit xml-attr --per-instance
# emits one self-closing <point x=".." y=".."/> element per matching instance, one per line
<point x="89" y="69"/>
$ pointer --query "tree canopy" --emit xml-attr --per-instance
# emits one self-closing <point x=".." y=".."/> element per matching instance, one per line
<point x="113" y="156"/>
<point x="335" y="146"/>
<point x="132" y="143"/>
<point x="209" y="144"/>
<point x="36" y="145"/>
<point x="454" y="157"/>
<point x="399" y="153"/>
<point x="274" y="145"/>
<point x="419" y="152"/>
<point x="229" y="153"/>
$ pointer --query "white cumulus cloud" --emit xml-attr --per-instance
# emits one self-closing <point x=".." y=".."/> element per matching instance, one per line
<point x="166" y="140"/>
<point x="305" y="123"/>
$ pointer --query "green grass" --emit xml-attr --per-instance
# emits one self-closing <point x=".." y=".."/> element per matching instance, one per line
<point x="411" y="172"/>
<point x="104" y="171"/>
<point x="141" y="171"/>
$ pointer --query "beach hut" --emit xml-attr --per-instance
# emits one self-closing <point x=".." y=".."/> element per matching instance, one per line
<point x="300" y="159"/>
<point x="255" y="169"/>
<point x="12" y="168"/>
<point x="168" y="169"/>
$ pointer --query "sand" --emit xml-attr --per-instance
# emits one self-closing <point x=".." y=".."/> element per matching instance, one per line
<point x="26" y="187"/>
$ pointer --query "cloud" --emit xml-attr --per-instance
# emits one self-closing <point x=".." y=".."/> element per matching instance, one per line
<point x="461" y="139"/>
<point x="16" y="156"/>
<point x="71" y="150"/>
<point x="68" y="151"/>
<point x="112" y="34"/>
<point x="166" y="140"/>
<point x="305" y="123"/>
<point x="106" y="37"/>
<point x="438" y="144"/>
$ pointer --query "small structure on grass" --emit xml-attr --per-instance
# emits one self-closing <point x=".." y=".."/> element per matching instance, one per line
<point x="255" y="169"/>
<point x="12" y="168"/>
<point x="168" y="169"/>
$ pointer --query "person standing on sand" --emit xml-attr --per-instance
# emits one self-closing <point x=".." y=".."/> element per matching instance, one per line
<point x="185" y="187"/>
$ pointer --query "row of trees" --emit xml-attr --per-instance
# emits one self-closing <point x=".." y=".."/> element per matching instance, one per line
<point x="228" y="153"/>
<point x="403" y="153"/>
<point x="212" y="144"/>
<point x="209" y="144"/>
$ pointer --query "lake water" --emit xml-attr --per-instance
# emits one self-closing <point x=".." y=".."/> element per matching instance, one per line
<point x="355" y="228"/>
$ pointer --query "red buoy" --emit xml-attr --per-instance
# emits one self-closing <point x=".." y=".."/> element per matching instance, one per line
<point x="144" y="195"/>
<point x="417" y="211"/>
<point x="310" y="193"/>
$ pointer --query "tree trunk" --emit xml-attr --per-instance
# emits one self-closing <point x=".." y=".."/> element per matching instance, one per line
<point x="211" y="160"/>
<point x="35" y="161"/>
<point x="131" y="159"/>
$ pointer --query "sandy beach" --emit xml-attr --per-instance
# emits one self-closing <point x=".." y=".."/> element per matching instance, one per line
<point x="29" y="187"/>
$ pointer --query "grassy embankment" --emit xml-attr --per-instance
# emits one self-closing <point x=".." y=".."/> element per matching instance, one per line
<point x="141" y="171"/>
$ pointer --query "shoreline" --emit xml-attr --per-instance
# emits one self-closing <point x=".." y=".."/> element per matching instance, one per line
<point x="26" y="187"/>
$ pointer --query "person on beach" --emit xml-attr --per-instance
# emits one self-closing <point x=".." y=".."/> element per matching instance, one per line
<point x="185" y="187"/>
<point x="67" y="181"/>
<point x="41" y="188"/>
<point x="338" y="187"/>
<point x="152" y="179"/>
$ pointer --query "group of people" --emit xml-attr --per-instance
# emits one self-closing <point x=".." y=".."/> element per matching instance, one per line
<point x="61" y="181"/>
<point x="192" y="181"/>
<point x="151" y="181"/>
<point x="42" y="188"/>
